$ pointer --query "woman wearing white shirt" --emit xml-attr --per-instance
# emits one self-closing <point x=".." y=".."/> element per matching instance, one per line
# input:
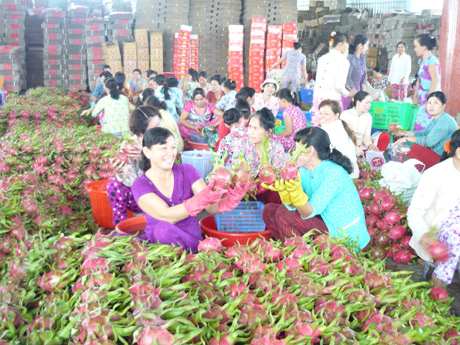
<point x="342" y="136"/>
<point x="331" y="75"/>
<point x="399" y="72"/>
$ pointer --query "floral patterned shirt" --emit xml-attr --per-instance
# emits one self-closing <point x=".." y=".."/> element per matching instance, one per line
<point x="228" y="142"/>
<point x="197" y="119"/>
<point x="244" y="148"/>
<point x="425" y="77"/>
<point x="299" y="122"/>
<point x="116" y="114"/>
<point x="132" y="170"/>
<point x="227" y="101"/>
<point x="272" y="103"/>
<point x="381" y="85"/>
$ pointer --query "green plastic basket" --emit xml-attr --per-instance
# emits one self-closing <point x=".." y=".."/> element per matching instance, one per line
<point x="384" y="113"/>
<point x="279" y="129"/>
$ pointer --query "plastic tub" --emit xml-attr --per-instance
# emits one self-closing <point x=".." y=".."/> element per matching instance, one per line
<point x="197" y="146"/>
<point x="132" y="226"/>
<point x="306" y="96"/>
<point x="100" y="205"/>
<point x="196" y="138"/>
<point x="209" y="227"/>
<point x="201" y="160"/>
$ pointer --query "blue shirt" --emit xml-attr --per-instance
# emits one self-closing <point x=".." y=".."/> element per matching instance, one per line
<point x="172" y="102"/>
<point x="436" y="133"/>
<point x="334" y="197"/>
<point x="99" y="90"/>
<point x="227" y="101"/>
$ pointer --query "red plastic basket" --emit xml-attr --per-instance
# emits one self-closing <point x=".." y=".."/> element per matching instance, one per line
<point x="132" y="226"/>
<point x="208" y="225"/>
<point x="100" y="205"/>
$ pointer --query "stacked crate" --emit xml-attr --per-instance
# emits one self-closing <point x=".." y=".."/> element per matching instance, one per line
<point x="182" y="51"/>
<point x="235" y="54"/>
<point x="129" y="59"/>
<point x="289" y="38"/>
<point x="112" y="56"/>
<point x="273" y="53"/>
<point x="76" y="73"/>
<point x="121" y="27"/>
<point x="156" y="51"/>
<point x="11" y="70"/>
<point x="54" y="61"/>
<point x="194" y="52"/>
<point x="95" y="31"/>
<point x="257" y="53"/>
<point x="142" y="47"/>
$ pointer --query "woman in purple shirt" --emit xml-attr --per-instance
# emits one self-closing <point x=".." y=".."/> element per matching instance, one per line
<point x="356" y="79"/>
<point x="171" y="195"/>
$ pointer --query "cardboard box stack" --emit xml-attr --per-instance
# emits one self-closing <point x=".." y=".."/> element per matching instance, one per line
<point x="121" y="27"/>
<point x="121" y="6"/>
<point x="112" y="56"/>
<point x="156" y="51"/>
<point x="13" y="16"/>
<point x="54" y="59"/>
<point x="235" y="54"/>
<point x="194" y="52"/>
<point x="181" y="62"/>
<point x="129" y="59"/>
<point x="142" y="46"/>
<point x="34" y="49"/>
<point x="257" y="53"/>
<point x="95" y="31"/>
<point x="11" y="70"/>
<point x="76" y="72"/>
<point x="274" y="39"/>
<point x="289" y="38"/>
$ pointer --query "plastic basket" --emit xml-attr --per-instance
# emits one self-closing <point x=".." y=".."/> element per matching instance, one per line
<point x="306" y="96"/>
<point x="384" y="113"/>
<point x="196" y="138"/>
<point x="279" y="129"/>
<point x="190" y="146"/>
<point x="247" y="217"/>
<point x="201" y="160"/>
<point x="100" y="205"/>
<point x="308" y="115"/>
<point x="132" y="226"/>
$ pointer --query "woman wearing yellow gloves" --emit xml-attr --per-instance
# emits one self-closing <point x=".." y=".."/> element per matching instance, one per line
<point x="322" y="197"/>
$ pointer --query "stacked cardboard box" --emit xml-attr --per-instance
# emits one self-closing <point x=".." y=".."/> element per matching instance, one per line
<point x="142" y="46"/>
<point x="12" y="70"/>
<point x="289" y="38"/>
<point x="182" y="51"/>
<point x="34" y="49"/>
<point x="257" y="53"/>
<point x="76" y="72"/>
<point x="13" y="17"/>
<point x="129" y="59"/>
<point x="121" y="27"/>
<point x="194" y="52"/>
<point x="95" y="31"/>
<point x="112" y="56"/>
<point x="235" y="54"/>
<point x="54" y="60"/>
<point x="274" y="38"/>
<point x="156" y="51"/>
<point x="121" y="6"/>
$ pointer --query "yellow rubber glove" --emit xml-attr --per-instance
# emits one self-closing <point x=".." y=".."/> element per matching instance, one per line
<point x="294" y="187"/>
<point x="281" y="189"/>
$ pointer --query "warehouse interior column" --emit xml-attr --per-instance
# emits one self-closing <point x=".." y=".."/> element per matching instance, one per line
<point x="449" y="53"/>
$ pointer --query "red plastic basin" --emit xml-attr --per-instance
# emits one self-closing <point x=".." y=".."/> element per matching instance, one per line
<point x="208" y="225"/>
<point x="132" y="226"/>
<point x="191" y="145"/>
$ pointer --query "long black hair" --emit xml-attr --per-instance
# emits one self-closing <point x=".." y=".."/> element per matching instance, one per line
<point x="453" y="146"/>
<point x="319" y="139"/>
<point x="145" y="94"/>
<point x="160" y="79"/>
<point x="245" y="93"/>
<point x="266" y="118"/>
<point x="112" y="85"/>
<point x="140" y="118"/>
<point x="120" y="77"/>
<point x="155" y="102"/>
<point x="359" y="39"/>
<point x="153" y="136"/>
<point x="358" y="97"/>
<point x="289" y="96"/>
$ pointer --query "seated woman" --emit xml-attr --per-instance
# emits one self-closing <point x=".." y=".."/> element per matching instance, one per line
<point x="234" y="120"/>
<point x="171" y="195"/>
<point x="360" y="121"/>
<point x="428" y="144"/>
<point x="228" y="100"/>
<point x="340" y="134"/>
<point x="167" y="120"/>
<point x="216" y="93"/>
<point x="119" y="188"/>
<point x="294" y="118"/>
<point x="254" y="149"/>
<point x="224" y="130"/>
<point x="198" y="114"/>
<point x="322" y="197"/>
<point x="267" y="97"/>
<point x="136" y="83"/>
<point x="247" y="94"/>
<point x="164" y="94"/>
<point x="436" y="204"/>
<point x="379" y="80"/>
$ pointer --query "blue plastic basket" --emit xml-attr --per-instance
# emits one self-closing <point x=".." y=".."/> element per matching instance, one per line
<point x="247" y="217"/>
<point x="306" y="96"/>
<point x="201" y="160"/>
<point x="196" y="138"/>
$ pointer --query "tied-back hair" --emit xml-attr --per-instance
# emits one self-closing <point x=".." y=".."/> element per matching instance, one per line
<point x="338" y="37"/>
<point x="230" y="84"/>
<point x="319" y="139"/>
<point x="112" y="85"/>
<point x="145" y="94"/>
<point x="336" y="109"/>
<point x="245" y="93"/>
<point x="453" y="146"/>
<point x="232" y="116"/>
<point x="359" y="39"/>
<point x="358" y="97"/>
<point x="218" y="78"/>
<point x="289" y="96"/>
<point x="154" y="136"/>
<point x="140" y="118"/>
<point x="120" y="77"/>
<point x="266" y="118"/>
<point x="160" y="79"/>
<point x="441" y="96"/>
<point x="427" y="41"/>
<point x="244" y="107"/>
<point x="155" y="102"/>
